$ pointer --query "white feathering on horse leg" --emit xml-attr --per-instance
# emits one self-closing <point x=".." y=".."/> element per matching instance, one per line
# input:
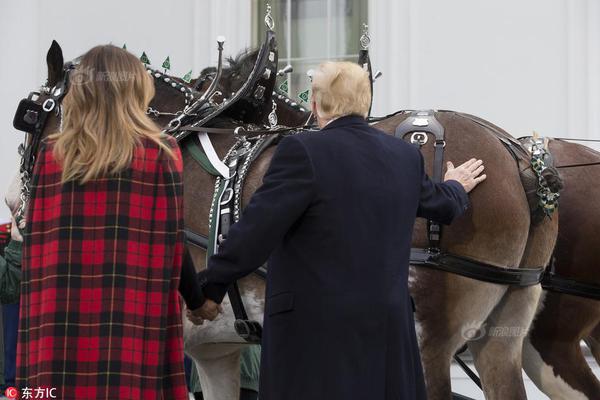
<point x="544" y="377"/>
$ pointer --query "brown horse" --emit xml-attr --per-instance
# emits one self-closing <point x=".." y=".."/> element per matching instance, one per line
<point x="496" y="230"/>
<point x="552" y="354"/>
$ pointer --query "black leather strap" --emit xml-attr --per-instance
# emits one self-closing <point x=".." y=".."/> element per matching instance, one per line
<point x="559" y="284"/>
<point x="463" y="266"/>
<point x="365" y="62"/>
<point x="252" y="101"/>
<point x="419" y="125"/>
<point x="196" y="239"/>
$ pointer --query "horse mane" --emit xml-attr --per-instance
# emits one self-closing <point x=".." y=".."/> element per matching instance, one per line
<point x="242" y="64"/>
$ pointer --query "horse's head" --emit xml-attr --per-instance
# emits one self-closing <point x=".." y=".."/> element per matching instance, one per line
<point x="172" y="94"/>
<point x="171" y="97"/>
<point x="40" y="113"/>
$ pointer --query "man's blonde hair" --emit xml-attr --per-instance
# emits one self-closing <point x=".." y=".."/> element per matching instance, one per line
<point x="341" y="88"/>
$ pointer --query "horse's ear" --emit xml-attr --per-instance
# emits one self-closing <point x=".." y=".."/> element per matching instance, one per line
<point x="55" y="62"/>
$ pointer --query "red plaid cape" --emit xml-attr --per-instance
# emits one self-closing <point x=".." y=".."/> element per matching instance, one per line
<point x="100" y="310"/>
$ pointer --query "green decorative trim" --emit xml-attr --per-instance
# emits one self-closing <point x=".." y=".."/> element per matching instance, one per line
<point x="304" y="96"/>
<point x="212" y="229"/>
<point x="144" y="58"/>
<point x="284" y="87"/>
<point x="167" y="64"/>
<point x="198" y="154"/>
<point x="187" y="78"/>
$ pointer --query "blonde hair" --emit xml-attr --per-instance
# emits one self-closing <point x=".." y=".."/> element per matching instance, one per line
<point x="104" y="115"/>
<point x="341" y="88"/>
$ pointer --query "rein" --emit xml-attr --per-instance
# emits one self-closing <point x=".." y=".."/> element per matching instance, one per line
<point x="578" y="165"/>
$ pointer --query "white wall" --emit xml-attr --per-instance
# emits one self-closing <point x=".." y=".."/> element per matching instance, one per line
<point x="185" y="30"/>
<point x="524" y="65"/>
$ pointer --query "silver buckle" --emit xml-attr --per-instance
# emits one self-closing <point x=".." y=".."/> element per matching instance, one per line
<point x="419" y="138"/>
<point x="227" y="196"/>
<point x="48" y="105"/>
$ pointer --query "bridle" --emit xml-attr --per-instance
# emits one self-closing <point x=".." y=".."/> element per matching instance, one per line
<point x="33" y="112"/>
<point x="31" y="117"/>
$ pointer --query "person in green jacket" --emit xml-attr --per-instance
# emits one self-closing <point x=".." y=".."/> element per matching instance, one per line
<point x="10" y="282"/>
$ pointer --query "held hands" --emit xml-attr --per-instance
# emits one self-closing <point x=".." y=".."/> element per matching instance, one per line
<point x="209" y="310"/>
<point x="467" y="174"/>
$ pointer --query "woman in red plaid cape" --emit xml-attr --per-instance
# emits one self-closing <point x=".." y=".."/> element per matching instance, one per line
<point x="100" y="312"/>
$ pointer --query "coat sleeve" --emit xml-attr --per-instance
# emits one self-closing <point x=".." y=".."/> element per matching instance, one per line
<point x="189" y="286"/>
<point x="441" y="202"/>
<point x="286" y="193"/>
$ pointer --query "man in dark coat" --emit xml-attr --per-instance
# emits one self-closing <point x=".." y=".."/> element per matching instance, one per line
<point x="334" y="217"/>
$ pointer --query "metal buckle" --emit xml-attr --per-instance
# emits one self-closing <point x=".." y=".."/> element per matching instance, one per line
<point x="419" y="138"/>
<point x="48" y="105"/>
<point x="250" y="331"/>
<point x="227" y="196"/>
<point x="174" y="124"/>
<point x="438" y="142"/>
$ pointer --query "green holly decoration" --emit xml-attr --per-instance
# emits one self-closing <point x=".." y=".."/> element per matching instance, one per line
<point x="124" y="46"/>
<point x="304" y="96"/>
<point x="284" y="87"/>
<point x="144" y="58"/>
<point x="166" y="64"/>
<point x="187" y="78"/>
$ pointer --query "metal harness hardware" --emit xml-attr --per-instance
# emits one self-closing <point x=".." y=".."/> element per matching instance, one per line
<point x="31" y="117"/>
<point x="225" y="210"/>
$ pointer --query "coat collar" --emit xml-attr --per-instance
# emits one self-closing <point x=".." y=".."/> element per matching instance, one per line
<point x="345" y="121"/>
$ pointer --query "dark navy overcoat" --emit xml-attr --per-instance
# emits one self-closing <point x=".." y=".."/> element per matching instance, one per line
<point x="334" y="217"/>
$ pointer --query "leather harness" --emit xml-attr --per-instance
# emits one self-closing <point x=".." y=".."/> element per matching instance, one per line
<point x="560" y="284"/>
<point x="419" y="125"/>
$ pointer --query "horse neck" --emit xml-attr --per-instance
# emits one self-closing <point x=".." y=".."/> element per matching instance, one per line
<point x="289" y="112"/>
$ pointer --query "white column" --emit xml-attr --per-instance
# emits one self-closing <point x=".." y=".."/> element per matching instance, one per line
<point x="391" y="52"/>
<point x="577" y="68"/>
<point x="593" y="53"/>
<point x="212" y="18"/>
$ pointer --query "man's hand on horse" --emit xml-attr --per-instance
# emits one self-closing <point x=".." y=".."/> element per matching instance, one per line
<point x="467" y="174"/>
<point x="209" y="310"/>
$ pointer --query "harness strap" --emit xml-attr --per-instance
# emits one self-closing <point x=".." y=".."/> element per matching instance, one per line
<point x="419" y="124"/>
<point x="559" y="284"/>
<point x="240" y="131"/>
<point x="466" y="267"/>
<point x="555" y="283"/>
<point x="201" y="158"/>
<point x="223" y="208"/>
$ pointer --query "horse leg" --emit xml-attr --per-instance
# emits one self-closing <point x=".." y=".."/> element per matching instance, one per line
<point x="497" y="353"/>
<point x="593" y="343"/>
<point x="219" y="371"/>
<point x="552" y="355"/>
<point x="448" y="307"/>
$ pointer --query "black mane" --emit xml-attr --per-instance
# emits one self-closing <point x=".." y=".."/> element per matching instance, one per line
<point x="241" y="65"/>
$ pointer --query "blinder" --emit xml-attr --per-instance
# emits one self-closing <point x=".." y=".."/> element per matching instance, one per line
<point x="30" y="115"/>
